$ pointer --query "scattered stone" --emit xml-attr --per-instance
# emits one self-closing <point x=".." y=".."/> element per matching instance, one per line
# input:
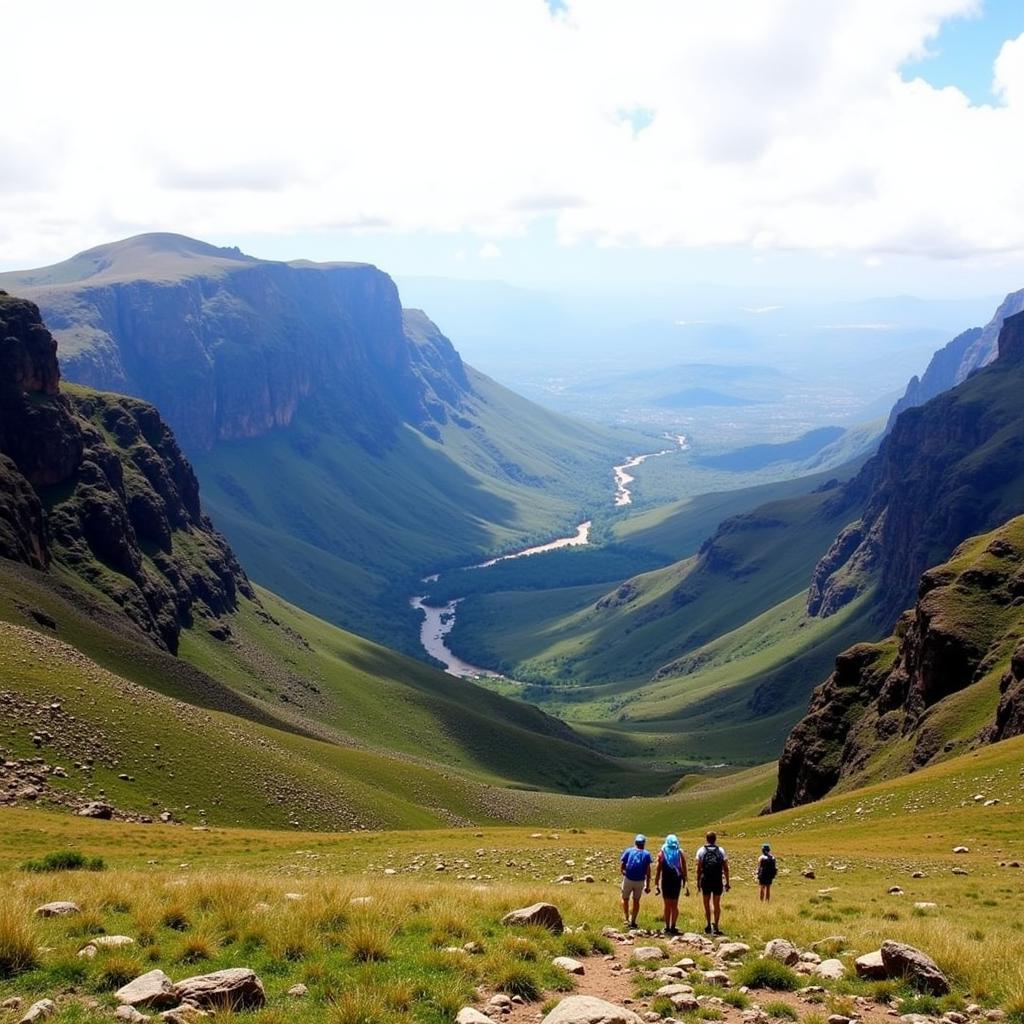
<point x="469" y="1015"/>
<point x="545" y="915"/>
<point x="59" y="908"/>
<point x="895" y="891"/>
<point x="130" y="1015"/>
<point x="832" y="969"/>
<point x="647" y="954"/>
<point x="955" y="1018"/>
<point x="97" y="809"/>
<point x="361" y="901"/>
<point x="94" y="945"/>
<point x="184" y="1014"/>
<point x="294" y="896"/>
<point x="733" y="950"/>
<point x="298" y="991"/>
<point x="915" y="1018"/>
<point x="808" y="873"/>
<point x="590" y="1010"/>
<point x="237" y="988"/>
<point x="669" y="973"/>
<point x="153" y="991"/>
<point x="39" y="1011"/>
<point x="995" y="1015"/>
<point x="918" y="874"/>
<point x="782" y="950"/>
<point x="924" y="905"/>
<point x="568" y="964"/>
<point x="807" y="957"/>
<point x="13" y="1003"/>
<point x="838" y="1018"/>
<point x="871" y="966"/>
<point x="961" y="849"/>
<point x="716" y="978"/>
<point x="674" y="990"/>
<point x="959" y="871"/>
<point x="901" y="960"/>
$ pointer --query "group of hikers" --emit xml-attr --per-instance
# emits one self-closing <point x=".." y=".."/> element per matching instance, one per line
<point x="671" y="877"/>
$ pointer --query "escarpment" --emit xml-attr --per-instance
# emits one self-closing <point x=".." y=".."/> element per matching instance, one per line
<point x="97" y="484"/>
<point x="955" y="659"/>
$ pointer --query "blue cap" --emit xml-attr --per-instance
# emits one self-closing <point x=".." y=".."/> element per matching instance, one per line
<point x="641" y="838"/>
<point x="765" y="847"/>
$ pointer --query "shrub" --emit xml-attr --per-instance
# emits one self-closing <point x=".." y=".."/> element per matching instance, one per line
<point x="64" y="860"/>
<point x="196" y="948"/>
<point x="662" y="1005"/>
<point x="923" y="1004"/>
<point x="175" y="917"/>
<point x="767" y="973"/>
<point x="358" y="1005"/>
<point x="783" y="1011"/>
<point x="516" y="980"/>
<point x="116" y="970"/>
<point x="18" y="943"/>
<point x="733" y="997"/>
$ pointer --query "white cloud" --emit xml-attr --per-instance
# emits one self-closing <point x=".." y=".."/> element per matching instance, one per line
<point x="775" y="124"/>
<point x="489" y="251"/>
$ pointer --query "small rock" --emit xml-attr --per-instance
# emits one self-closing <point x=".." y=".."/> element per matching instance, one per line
<point x="187" y="1013"/>
<point x="832" y="969"/>
<point x="961" y="849"/>
<point x="39" y="1011"/>
<point x="567" y="964"/>
<point x="716" y="978"/>
<point x="647" y="954"/>
<point x="544" y="914"/>
<point x="97" y="809"/>
<point x="918" y="874"/>
<point x="924" y="905"/>
<point x="808" y="873"/>
<point x="782" y="950"/>
<point x="895" y="891"/>
<point x="838" y="1018"/>
<point x="59" y="908"/>
<point x="130" y="1015"/>
<point x="959" y="871"/>
<point x="298" y="991"/>
<point x="733" y="950"/>
<point x="237" y="988"/>
<point x="590" y="1010"/>
<point x="871" y="966"/>
<point x="152" y="990"/>
<point x="12" y="1003"/>
<point x="469" y="1015"/>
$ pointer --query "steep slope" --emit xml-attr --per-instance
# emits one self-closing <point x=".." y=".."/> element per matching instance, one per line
<point x="106" y="548"/>
<point x="948" y="469"/>
<point x="954" y="363"/>
<point x="342" y="444"/>
<point x="951" y="677"/>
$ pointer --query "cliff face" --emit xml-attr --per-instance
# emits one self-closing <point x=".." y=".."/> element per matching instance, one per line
<point x="227" y="346"/>
<point x="948" y="469"/>
<point x="953" y="364"/>
<point x="954" y="660"/>
<point x="97" y="483"/>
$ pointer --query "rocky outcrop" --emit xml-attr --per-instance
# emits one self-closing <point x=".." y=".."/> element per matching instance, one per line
<point x="97" y="482"/>
<point x="228" y="346"/>
<point x="877" y="707"/>
<point x="947" y="470"/>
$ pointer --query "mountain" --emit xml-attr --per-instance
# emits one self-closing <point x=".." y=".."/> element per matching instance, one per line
<point x="954" y="363"/>
<point x="343" y="446"/>
<point x="947" y="470"/>
<point x="132" y="640"/>
<point x="949" y="678"/>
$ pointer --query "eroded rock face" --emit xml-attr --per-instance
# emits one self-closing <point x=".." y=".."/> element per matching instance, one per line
<point x="113" y="482"/>
<point x="968" y="612"/>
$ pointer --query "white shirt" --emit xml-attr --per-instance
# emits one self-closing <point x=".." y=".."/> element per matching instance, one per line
<point x="703" y="850"/>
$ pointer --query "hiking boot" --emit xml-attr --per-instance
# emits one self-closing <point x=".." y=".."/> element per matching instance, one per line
<point x="707" y="929"/>
<point x="716" y="930"/>
<point x="632" y="924"/>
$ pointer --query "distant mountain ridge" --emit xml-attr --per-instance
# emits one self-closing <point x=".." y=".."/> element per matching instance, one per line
<point x="343" y="445"/>
<point x="954" y="363"/>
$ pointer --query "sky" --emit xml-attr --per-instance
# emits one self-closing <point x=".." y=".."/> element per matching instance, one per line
<point x="834" y="147"/>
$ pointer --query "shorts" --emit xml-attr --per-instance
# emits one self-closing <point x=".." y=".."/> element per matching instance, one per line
<point x="632" y="888"/>
<point x="712" y="888"/>
<point x="671" y="886"/>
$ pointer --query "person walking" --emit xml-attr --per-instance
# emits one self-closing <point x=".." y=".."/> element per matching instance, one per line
<point x="767" y="869"/>
<point x="635" y="865"/>
<point x="669" y="878"/>
<point x="712" y="880"/>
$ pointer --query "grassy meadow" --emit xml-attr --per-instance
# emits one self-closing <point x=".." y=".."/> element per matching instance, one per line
<point x="373" y="923"/>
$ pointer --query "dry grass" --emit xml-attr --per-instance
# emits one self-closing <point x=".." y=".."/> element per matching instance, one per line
<point x="18" y="940"/>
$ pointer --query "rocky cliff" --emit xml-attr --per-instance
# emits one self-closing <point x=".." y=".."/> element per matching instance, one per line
<point x="228" y="346"/>
<point x="950" y="677"/>
<point x="947" y="470"/>
<point x="96" y="483"/>
<point x="954" y="363"/>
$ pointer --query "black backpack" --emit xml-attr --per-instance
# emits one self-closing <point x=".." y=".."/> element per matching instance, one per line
<point x="769" y="869"/>
<point x="712" y="865"/>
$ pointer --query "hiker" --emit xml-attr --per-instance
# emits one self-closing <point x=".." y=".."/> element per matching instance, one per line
<point x="767" y="869"/>
<point x="635" y="864"/>
<point x="669" y="879"/>
<point x="712" y="879"/>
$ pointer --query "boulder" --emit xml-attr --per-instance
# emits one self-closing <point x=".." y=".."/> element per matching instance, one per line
<point x="590" y="1010"/>
<point x="39" y="1011"/>
<point x="920" y="969"/>
<point x="567" y="964"/>
<point x="469" y="1015"/>
<point x="716" y="978"/>
<point x="733" y="950"/>
<point x="544" y="914"/>
<point x="97" y="809"/>
<point x="648" y="954"/>
<point x="871" y="966"/>
<point x="832" y="969"/>
<point x="237" y="988"/>
<point x="59" y="908"/>
<point x="153" y="990"/>
<point x="782" y="950"/>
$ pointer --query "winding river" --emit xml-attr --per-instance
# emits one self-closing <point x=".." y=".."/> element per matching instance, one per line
<point x="439" y="620"/>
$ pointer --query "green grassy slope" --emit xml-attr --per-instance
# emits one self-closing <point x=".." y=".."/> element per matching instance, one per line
<point x="287" y="670"/>
<point x="347" y="532"/>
